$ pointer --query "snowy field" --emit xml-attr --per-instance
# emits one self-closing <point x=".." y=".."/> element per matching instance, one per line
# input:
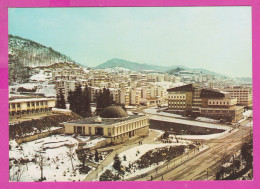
<point x="57" y="163"/>
<point x="190" y="122"/>
<point x="41" y="88"/>
<point x="135" y="154"/>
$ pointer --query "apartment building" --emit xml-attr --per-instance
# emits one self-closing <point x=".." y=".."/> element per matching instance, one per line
<point x="220" y="105"/>
<point x="243" y="95"/>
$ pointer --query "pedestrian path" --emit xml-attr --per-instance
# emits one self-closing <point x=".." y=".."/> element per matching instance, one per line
<point x="119" y="149"/>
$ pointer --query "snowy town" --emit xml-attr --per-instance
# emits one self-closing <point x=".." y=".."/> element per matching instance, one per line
<point x="91" y="110"/>
<point x="80" y="124"/>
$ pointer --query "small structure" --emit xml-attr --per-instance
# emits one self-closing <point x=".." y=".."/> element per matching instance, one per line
<point x="114" y="123"/>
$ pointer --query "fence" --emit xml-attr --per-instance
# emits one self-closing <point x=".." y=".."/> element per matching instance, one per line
<point x="169" y="165"/>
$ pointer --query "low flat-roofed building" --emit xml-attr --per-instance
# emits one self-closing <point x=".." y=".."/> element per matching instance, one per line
<point x="26" y="106"/>
<point x="115" y="124"/>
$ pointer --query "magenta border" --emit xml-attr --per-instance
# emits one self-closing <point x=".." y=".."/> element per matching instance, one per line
<point x="4" y="4"/>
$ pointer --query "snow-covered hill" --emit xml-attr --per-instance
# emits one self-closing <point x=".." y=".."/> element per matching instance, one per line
<point x="25" y="55"/>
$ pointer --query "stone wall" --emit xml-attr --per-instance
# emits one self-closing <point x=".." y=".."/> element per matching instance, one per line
<point x="40" y="135"/>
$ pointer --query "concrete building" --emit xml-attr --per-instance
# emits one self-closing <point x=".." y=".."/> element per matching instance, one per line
<point x="243" y="95"/>
<point x="114" y="124"/>
<point x="180" y="98"/>
<point x="220" y="105"/>
<point x="192" y="99"/>
<point x="26" y="106"/>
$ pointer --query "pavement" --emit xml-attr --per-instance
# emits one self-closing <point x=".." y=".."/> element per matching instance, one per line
<point x="119" y="149"/>
<point x="205" y="165"/>
<point x="201" y="167"/>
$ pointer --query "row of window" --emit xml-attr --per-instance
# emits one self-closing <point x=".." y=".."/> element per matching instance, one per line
<point x="128" y="127"/>
<point x="29" y="104"/>
<point x="218" y="102"/>
<point x="176" y="96"/>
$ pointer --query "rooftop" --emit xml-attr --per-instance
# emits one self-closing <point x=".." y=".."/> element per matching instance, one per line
<point x="106" y="121"/>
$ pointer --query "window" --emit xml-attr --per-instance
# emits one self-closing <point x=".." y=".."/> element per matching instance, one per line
<point x="32" y="103"/>
<point x="42" y="103"/>
<point x="18" y="105"/>
<point x="37" y="103"/>
<point x="13" y="105"/>
<point x="28" y="104"/>
<point x="89" y="130"/>
<point x="109" y="131"/>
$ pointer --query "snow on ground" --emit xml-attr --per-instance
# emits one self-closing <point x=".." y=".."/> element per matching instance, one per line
<point x="57" y="163"/>
<point x="206" y="120"/>
<point x="167" y="84"/>
<point x="93" y="109"/>
<point x="84" y="138"/>
<point x="154" y="110"/>
<point x="47" y="89"/>
<point x="248" y="113"/>
<point x="60" y="110"/>
<point x="250" y="124"/>
<point x="205" y="137"/>
<point x="94" y="142"/>
<point x="28" y="86"/>
<point x="190" y="122"/>
<point x="51" y="129"/>
<point x="132" y="155"/>
<point x="40" y="77"/>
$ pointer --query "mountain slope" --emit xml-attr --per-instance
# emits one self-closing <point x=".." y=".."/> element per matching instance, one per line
<point x="131" y="65"/>
<point x="24" y="55"/>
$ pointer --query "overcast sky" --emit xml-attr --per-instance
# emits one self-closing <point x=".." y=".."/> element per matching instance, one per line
<point x="215" y="38"/>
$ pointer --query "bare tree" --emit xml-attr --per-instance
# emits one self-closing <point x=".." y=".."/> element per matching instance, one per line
<point x="18" y="170"/>
<point x="41" y="162"/>
<point x="70" y="153"/>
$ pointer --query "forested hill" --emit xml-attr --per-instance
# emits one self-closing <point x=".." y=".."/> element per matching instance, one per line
<point x="25" y="54"/>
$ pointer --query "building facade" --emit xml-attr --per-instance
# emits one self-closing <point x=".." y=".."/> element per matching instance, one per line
<point x="114" y="124"/>
<point x="27" y="106"/>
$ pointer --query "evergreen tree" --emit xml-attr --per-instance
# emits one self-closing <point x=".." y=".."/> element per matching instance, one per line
<point x="117" y="163"/>
<point x="78" y="99"/>
<point x="96" y="156"/>
<point x="103" y="100"/>
<point x="58" y="99"/>
<point x="71" y="99"/>
<point x="86" y="109"/>
<point x="62" y="100"/>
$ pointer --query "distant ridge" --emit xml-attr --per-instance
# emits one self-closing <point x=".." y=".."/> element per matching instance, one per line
<point x="133" y="66"/>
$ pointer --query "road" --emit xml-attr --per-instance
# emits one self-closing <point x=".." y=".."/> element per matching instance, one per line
<point x="196" y="168"/>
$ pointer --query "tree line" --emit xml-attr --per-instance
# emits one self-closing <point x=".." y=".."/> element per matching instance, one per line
<point x="79" y="101"/>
